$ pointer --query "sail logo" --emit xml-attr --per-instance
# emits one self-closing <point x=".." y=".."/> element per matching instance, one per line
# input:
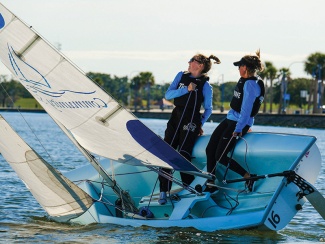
<point x="2" y="21"/>
<point x="40" y="87"/>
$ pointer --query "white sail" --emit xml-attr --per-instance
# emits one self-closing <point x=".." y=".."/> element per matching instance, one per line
<point x="93" y="117"/>
<point x="56" y="194"/>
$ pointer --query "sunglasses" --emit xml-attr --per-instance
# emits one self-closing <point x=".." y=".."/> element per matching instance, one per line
<point x="193" y="59"/>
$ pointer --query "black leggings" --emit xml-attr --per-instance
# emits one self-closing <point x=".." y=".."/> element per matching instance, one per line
<point x="217" y="147"/>
<point x="181" y="135"/>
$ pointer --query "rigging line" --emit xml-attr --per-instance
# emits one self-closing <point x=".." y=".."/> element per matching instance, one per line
<point x="101" y="190"/>
<point x="225" y="188"/>
<point x="168" y="176"/>
<point x="225" y="148"/>
<point x="152" y="192"/>
<point x="108" y="203"/>
<point x="179" y="123"/>
<point x="188" y="129"/>
<point x="220" y="206"/>
<point x="235" y="200"/>
<point x="205" y="210"/>
<point x="191" y="119"/>
<point x="229" y="160"/>
<point x="175" y="180"/>
<point x="170" y="198"/>
<point x="131" y="173"/>
<point x="113" y="169"/>
<point x="238" y="189"/>
<point x="20" y="113"/>
<point x="223" y="153"/>
<point x="230" y="209"/>
<point x="245" y="159"/>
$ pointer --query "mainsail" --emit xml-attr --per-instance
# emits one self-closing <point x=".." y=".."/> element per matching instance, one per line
<point x="56" y="194"/>
<point x="97" y="121"/>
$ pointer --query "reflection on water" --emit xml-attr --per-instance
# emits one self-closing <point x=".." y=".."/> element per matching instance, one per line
<point x="40" y="230"/>
<point x="22" y="219"/>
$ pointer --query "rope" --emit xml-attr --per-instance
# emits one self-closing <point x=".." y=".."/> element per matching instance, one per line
<point x="229" y="161"/>
<point x="246" y="149"/>
<point x="153" y="189"/>
<point x="113" y="169"/>
<point x="245" y="161"/>
<point x="175" y="180"/>
<point x="191" y="118"/>
<point x="37" y="138"/>
<point x="179" y="123"/>
<point x="222" y="154"/>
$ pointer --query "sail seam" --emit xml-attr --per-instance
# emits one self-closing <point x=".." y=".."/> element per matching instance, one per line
<point x="111" y="114"/>
<point x="29" y="44"/>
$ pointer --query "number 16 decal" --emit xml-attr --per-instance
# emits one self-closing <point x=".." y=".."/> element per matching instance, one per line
<point x="274" y="220"/>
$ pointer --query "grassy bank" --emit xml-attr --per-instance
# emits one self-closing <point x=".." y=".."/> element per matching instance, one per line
<point x="27" y="103"/>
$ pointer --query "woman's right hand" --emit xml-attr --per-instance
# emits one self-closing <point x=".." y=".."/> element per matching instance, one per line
<point x="191" y="87"/>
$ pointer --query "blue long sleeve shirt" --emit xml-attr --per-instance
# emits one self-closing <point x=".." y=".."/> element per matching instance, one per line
<point x="173" y="92"/>
<point x="251" y="91"/>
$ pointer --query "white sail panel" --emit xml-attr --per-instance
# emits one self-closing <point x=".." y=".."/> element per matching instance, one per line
<point x="93" y="117"/>
<point x="56" y="194"/>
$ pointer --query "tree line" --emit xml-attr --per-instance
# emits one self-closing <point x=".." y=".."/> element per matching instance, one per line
<point x="296" y="91"/>
<point x="142" y="92"/>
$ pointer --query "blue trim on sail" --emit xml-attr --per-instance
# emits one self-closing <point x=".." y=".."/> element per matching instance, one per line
<point x="158" y="147"/>
<point x="2" y="21"/>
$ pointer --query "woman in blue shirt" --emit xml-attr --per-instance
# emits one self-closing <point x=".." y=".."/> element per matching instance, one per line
<point x="248" y="96"/>
<point x="190" y="90"/>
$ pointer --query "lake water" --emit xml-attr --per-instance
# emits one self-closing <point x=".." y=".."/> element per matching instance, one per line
<point x="23" y="220"/>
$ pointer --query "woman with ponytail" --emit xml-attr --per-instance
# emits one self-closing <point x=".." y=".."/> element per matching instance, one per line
<point x="190" y="90"/>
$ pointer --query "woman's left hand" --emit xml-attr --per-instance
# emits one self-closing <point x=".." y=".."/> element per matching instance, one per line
<point x="236" y="134"/>
<point x="201" y="132"/>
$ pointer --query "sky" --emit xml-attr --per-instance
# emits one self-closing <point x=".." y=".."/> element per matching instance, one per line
<point x="125" y="37"/>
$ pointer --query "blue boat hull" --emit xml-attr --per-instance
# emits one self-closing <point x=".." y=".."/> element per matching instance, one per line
<point x="272" y="205"/>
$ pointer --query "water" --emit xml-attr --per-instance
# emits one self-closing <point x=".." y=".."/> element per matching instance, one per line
<point x="23" y="220"/>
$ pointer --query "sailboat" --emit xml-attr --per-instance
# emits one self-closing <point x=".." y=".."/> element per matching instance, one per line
<point x="119" y="185"/>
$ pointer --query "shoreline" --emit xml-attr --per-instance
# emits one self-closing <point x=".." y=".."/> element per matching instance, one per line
<point x="316" y="121"/>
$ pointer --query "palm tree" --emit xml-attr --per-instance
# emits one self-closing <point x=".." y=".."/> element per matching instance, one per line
<point x="143" y="79"/>
<point x="284" y="72"/>
<point x="314" y="66"/>
<point x="269" y="73"/>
